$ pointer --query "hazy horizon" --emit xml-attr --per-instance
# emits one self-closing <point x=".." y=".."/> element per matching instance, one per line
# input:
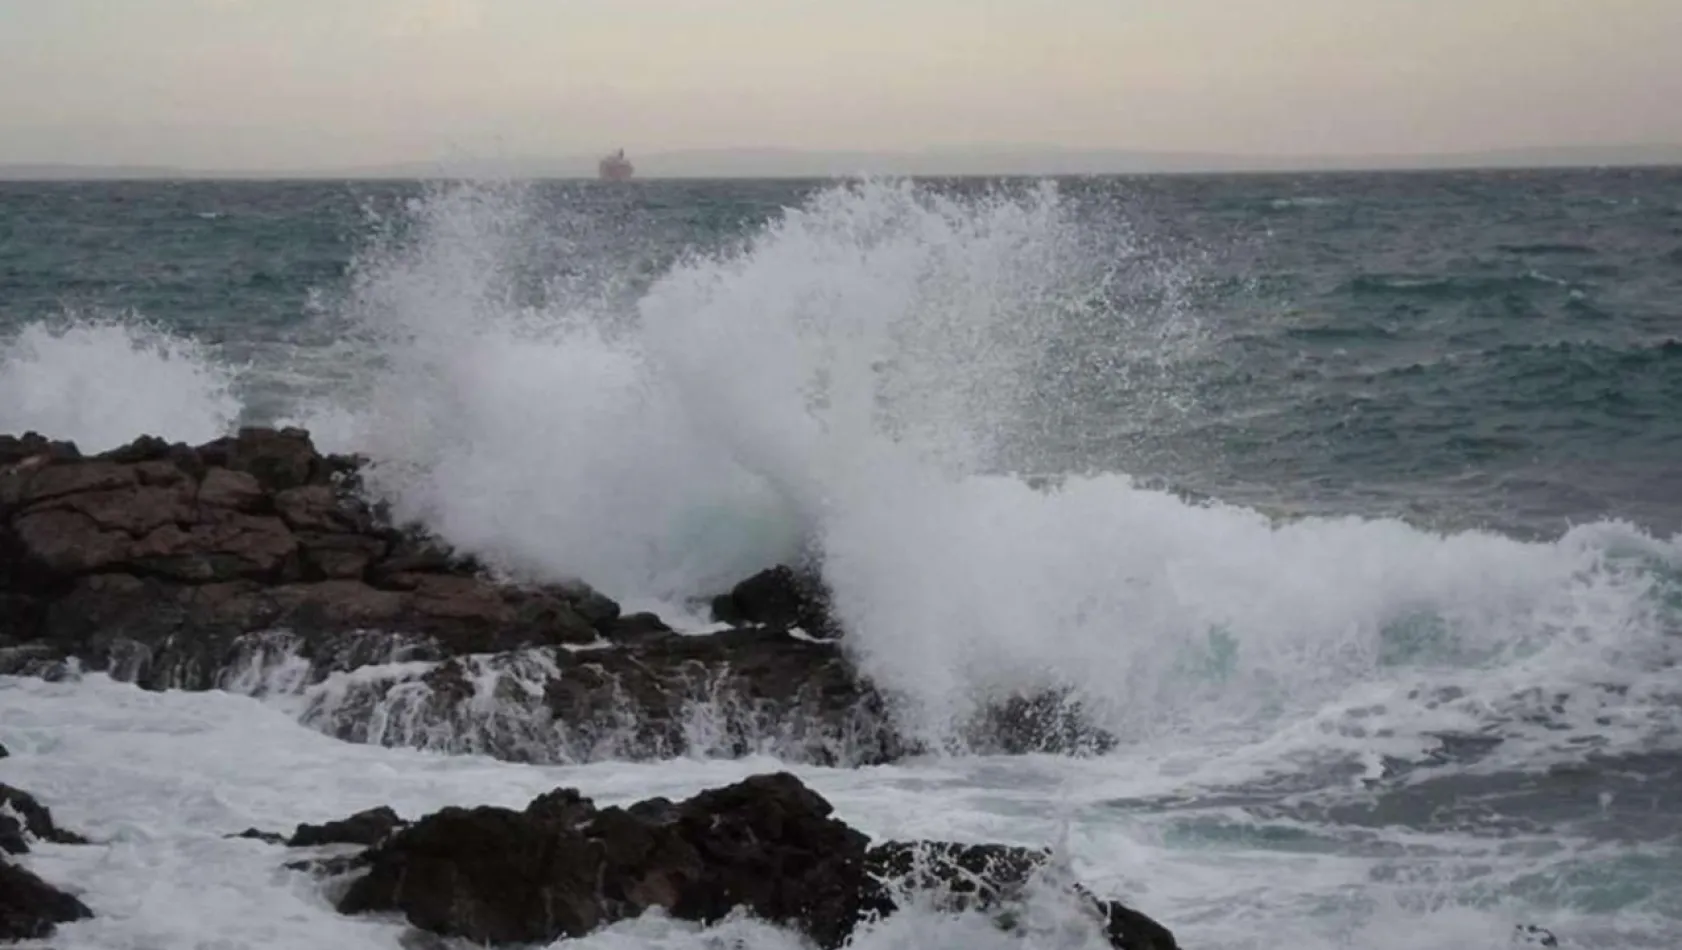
<point x="326" y="86"/>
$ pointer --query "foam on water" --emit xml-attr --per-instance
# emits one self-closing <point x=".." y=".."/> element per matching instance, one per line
<point x="157" y="780"/>
<point x="102" y="381"/>
<point x="853" y="381"/>
<point x="857" y="382"/>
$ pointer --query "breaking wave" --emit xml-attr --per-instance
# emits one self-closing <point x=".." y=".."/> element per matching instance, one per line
<point x="859" y="382"/>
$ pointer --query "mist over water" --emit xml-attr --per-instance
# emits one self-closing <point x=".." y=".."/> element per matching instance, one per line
<point x="886" y="378"/>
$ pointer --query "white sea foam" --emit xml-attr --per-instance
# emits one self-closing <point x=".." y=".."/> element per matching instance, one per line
<point x="157" y="779"/>
<point x="102" y="382"/>
<point x="857" y="381"/>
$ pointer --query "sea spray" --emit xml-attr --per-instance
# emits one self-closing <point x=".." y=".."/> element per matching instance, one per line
<point x="858" y="379"/>
<point x="102" y="380"/>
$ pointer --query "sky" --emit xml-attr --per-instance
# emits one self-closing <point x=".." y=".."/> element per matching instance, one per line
<point x="291" y="84"/>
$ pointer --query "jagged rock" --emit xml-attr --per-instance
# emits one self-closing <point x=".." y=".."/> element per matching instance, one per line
<point x="563" y="868"/>
<point x="365" y="827"/>
<point x="180" y="567"/>
<point x="20" y="813"/>
<point x="267" y="837"/>
<point x="1047" y="722"/>
<point x="780" y="597"/>
<point x="991" y="878"/>
<point x="726" y="694"/>
<point x="30" y="908"/>
<point x="1530" y="935"/>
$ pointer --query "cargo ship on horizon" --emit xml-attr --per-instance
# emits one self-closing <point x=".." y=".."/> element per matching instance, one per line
<point x="615" y="167"/>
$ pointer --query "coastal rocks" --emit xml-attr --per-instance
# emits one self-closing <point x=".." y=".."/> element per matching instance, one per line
<point x="994" y="879"/>
<point x="30" y="908"/>
<point x="150" y="560"/>
<point x="23" y="818"/>
<point x="659" y="695"/>
<point x="781" y="597"/>
<point x="254" y="564"/>
<point x="768" y="844"/>
<point x="365" y="828"/>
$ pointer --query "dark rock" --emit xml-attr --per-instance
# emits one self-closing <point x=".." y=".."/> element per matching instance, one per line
<point x="335" y="865"/>
<point x="637" y="628"/>
<point x="146" y="448"/>
<point x="500" y="876"/>
<point x="365" y="828"/>
<point x="1047" y="722"/>
<point x="768" y="844"/>
<point x="279" y="459"/>
<point x="226" y="488"/>
<point x="338" y="556"/>
<point x="781" y="597"/>
<point x="1530" y="935"/>
<point x="5" y="753"/>
<point x="267" y="837"/>
<point x="990" y="878"/>
<point x="37" y="821"/>
<point x="30" y="908"/>
<point x="33" y="445"/>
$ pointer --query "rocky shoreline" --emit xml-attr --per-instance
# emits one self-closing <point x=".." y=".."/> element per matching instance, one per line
<point x="256" y="564"/>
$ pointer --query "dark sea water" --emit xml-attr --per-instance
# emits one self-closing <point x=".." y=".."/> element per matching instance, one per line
<point x="1350" y="501"/>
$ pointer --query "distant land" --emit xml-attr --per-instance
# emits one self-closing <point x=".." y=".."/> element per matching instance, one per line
<point x="794" y="163"/>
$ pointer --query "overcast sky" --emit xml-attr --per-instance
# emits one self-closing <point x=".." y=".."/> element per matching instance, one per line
<point x="298" y="83"/>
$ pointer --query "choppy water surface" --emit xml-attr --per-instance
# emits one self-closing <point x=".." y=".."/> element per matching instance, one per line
<point x="1348" y="502"/>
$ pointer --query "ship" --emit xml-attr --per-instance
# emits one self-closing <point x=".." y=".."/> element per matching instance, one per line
<point x="615" y="167"/>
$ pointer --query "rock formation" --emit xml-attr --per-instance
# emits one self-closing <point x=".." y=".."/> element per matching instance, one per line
<point x="563" y="868"/>
<point x="31" y="908"/>
<point x="255" y="563"/>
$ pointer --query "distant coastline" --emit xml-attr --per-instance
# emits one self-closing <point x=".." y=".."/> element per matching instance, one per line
<point x="953" y="162"/>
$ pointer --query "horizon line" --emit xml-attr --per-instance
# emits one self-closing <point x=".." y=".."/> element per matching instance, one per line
<point x="1170" y="162"/>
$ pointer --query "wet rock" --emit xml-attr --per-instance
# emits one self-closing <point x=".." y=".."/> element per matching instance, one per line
<point x="769" y="845"/>
<point x="267" y="837"/>
<point x="22" y="818"/>
<point x="1051" y="722"/>
<point x="365" y="828"/>
<point x="781" y="597"/>
<point x="991" y="878"/>
<point x="499" y="876"/>
<point x="30" y="908"/>
<point x="1530" y="935"/>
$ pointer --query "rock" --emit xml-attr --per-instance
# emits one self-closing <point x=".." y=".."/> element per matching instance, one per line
<point x="279" y="459"/>
<point x="637" y="628"/>
<point x="365" y="828"/>
<point x="20" y="813"/>
<point x="267" y="837"/>
<point x="30" y="908"/>
<point x="5" y="753"/>
<point x="781" y="597"/>
<point x="1530" y="935"/>
<point x="991" y="878"/>
<point x="226" y="488"/>
<point x="1046" y="722"/>
<point x="768" y="844"/>
<point x="494" y="875"/>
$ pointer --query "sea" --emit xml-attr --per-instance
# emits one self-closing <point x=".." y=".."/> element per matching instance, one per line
<point x="1349" y="503"/>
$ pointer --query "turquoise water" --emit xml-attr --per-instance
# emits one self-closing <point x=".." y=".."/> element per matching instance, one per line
<point x="1348" y="501"/>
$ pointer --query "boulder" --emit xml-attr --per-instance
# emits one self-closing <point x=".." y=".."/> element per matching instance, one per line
<point x="768" y="845"/>
<point x="992" y="878"/>
<point x="22" y="818"/>
<point x="781" y="597"/>
<point x="364" y="828"/>
<point x="731" y="694"/>
<point x="30" y="908"/>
